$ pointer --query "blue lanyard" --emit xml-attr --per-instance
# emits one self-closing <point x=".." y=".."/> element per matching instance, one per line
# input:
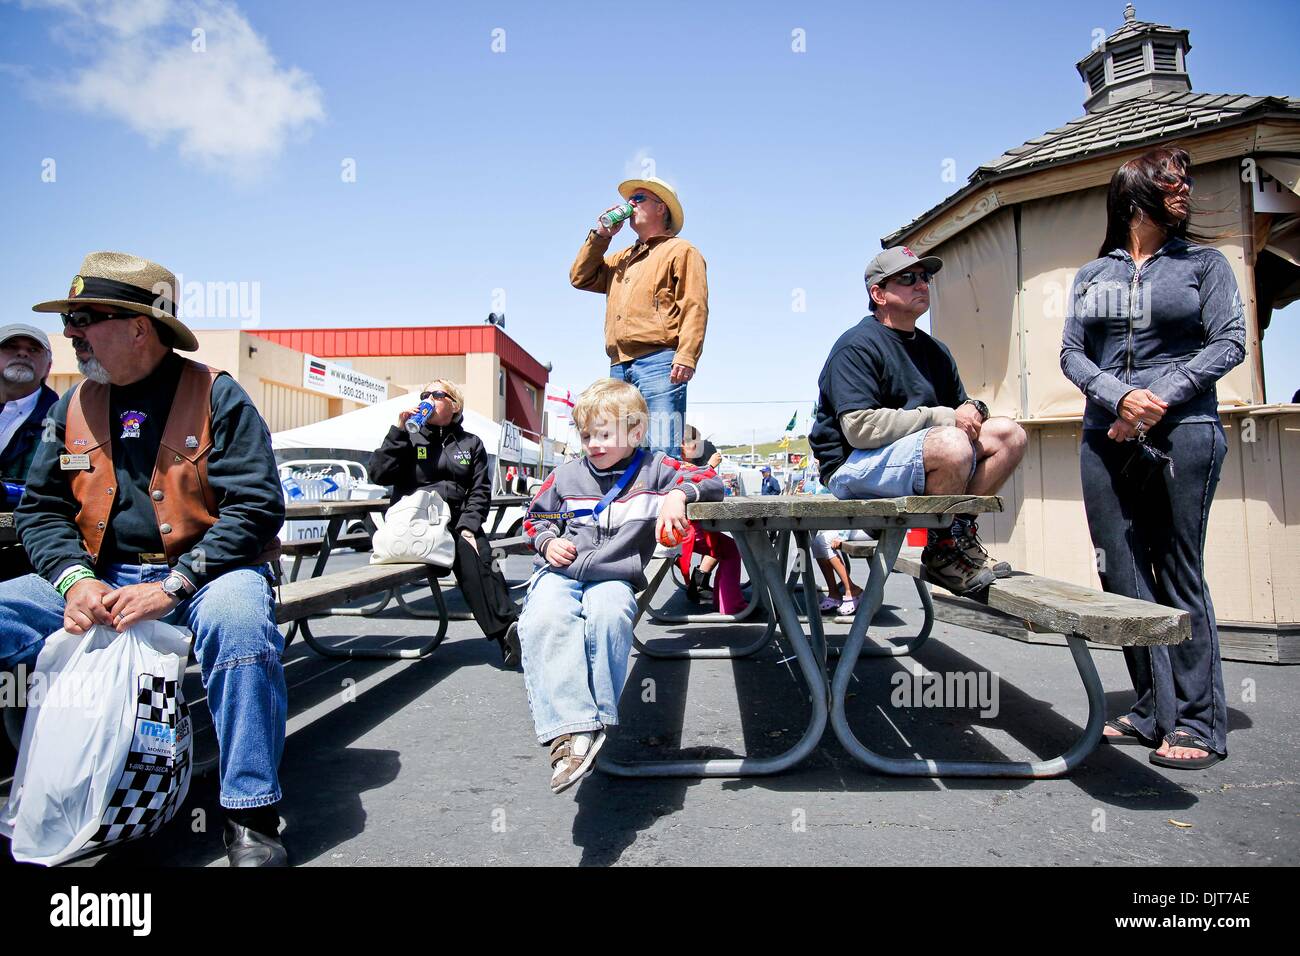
<point x="633" y="467"/>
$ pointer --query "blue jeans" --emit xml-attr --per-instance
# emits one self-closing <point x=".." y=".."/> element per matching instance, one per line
<point x="1151" y="546"/>
<point x="576" y="638"/>
<point x="236" y="643"/>
<point x="666" y="401"/>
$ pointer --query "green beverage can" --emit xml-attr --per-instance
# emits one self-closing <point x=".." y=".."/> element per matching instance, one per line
<point x="616" y="215"/>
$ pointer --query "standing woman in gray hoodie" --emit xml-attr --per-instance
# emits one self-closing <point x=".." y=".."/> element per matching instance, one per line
<point x="1153" y="323"/>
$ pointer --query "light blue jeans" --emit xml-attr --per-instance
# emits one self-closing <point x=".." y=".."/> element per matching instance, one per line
<point x="576" y="638"/>
<point x="236" y="643"/>
<point x="895" y="470"/>
<point x="666" y="401"/>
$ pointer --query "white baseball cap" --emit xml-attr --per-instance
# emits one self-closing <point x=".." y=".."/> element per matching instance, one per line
<point x="15" y="329"/>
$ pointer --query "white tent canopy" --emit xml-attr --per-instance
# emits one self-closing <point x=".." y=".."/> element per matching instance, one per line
<point x="364" y="429"/>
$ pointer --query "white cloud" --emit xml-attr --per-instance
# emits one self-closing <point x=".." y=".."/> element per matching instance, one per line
<point x="230" y="106"/>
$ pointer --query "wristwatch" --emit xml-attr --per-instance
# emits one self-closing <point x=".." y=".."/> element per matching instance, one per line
<point x="176" y="587"/>
<point x="979" y="407"/>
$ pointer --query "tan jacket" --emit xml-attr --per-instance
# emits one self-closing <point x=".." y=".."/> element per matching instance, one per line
<point x="657" y="296"/>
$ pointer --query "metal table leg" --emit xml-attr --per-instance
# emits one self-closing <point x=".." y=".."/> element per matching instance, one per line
<point x="881" y="561"/>
<point x="657" y="572"/>
<point x="714" y="617"/>
<point x="773" y="580"/>
<point x="384" y="653"/>
<point x="912" y="644"/>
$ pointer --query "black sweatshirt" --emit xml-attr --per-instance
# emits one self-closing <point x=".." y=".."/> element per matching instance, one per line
<point x="450" y="461"/>
<point x="241" y="473"/>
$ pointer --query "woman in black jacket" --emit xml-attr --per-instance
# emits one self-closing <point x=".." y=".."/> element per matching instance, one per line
<point x="445" y="458"/>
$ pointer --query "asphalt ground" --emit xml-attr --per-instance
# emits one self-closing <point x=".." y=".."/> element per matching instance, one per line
<point x="434" y="762"/>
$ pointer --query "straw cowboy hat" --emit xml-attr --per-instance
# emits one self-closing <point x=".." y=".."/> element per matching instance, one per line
<point x="126" y="282"/>
<point x="661" y="189"/>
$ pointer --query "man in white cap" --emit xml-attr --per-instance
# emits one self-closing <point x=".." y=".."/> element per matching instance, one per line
<point x="893" y="419"/>
<point x="25" y="400"/>
<point x="24" y="366"/>
<point x="656" y="305"/>
<point x="158" y="499"/>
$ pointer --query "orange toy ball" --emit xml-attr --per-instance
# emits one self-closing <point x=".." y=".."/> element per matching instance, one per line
<point x="670" y="537"/>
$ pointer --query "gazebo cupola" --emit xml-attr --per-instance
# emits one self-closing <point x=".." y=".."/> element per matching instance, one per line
<point x="1138" y="59"/>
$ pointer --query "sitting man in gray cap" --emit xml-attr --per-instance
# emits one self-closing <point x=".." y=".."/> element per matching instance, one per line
<point x="893" y="419"/>
<point x="25" y="400"/>
<point x="158" y="499"/>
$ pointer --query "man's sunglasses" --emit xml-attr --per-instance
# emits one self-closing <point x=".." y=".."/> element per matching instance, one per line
<point x="83" y="320"/>
<point x="425" y="396"/>
<point x="909" y="278"/>
<point x="639" y="198"/>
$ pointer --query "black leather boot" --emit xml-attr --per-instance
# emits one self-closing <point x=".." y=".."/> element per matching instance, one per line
<point x="698" y="589"/>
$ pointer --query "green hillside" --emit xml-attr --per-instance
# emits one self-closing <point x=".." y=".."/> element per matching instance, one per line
<point x="798" y="445"/>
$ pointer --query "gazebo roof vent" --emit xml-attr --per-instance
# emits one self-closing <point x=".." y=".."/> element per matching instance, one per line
<point x="1138" y="59"/>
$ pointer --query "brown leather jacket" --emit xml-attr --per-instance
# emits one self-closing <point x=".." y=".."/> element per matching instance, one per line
<point x="183" y="502"/>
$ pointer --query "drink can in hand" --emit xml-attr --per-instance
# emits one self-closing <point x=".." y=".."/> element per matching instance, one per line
<point x="422" y="413"/>
<point x="616" y="215"/>
<point x="13" y="495"/>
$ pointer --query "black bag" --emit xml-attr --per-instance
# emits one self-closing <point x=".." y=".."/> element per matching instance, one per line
<point x="1144" y="462"/>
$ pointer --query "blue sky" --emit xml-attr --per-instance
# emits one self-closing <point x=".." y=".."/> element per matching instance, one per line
<point x="478" y="172"/>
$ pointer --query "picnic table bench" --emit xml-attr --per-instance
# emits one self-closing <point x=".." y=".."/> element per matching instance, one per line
<point x="1080" y="613"/>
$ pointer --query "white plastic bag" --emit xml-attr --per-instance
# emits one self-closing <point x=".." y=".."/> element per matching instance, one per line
<point x="107" y="745"/>
<point x="416" y="529"/>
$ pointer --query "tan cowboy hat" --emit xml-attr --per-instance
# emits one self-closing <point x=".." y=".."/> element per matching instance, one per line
<point x="661" y="189"/>
<point x="128" y="282"/>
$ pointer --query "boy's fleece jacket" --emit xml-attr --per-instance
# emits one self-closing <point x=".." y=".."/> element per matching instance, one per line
<point x="618" y="548"/>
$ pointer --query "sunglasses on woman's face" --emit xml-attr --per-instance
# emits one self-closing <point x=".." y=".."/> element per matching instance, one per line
<point x="909" y="278"/>
<point x="425" y="396"/>
<point x="83" y="320"/>
<point x="1172" y="181"/>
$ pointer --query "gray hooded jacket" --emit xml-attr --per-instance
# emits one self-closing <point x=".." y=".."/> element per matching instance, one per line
<point x="1175" y="326"/>
<point x="616" y="545"/>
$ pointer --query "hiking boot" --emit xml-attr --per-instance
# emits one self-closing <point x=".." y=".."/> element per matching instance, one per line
<point x="698" y="589"/>
<point x="970" y="544"/>
<point x="950" y="567"/>
<point x="573" y="756"/>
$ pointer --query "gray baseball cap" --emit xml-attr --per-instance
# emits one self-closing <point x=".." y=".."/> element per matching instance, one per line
<point x="898" y="259"/>
<point x="15" y="329"/>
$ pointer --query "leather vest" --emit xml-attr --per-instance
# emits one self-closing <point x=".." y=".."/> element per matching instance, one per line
<point x="183" y="502"/>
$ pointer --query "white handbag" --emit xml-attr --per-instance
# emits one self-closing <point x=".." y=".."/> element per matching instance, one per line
<point x="416" y="529"/>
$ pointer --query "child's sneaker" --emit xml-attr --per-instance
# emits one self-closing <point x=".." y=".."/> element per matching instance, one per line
<point x="573" y="756"/>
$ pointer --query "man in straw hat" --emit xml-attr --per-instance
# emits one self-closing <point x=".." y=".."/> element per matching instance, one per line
<point x="893" y="419"/>
<point x="159" y="500"/>
<point x="25" y="400"/>
<point x="656" y="304"/>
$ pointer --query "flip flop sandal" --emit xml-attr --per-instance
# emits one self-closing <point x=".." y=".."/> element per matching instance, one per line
<point x="1180" y="738"/>
<point x="1131" y="736"/>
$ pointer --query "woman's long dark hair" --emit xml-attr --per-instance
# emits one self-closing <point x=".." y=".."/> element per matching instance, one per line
<point x="1143" y="183"/>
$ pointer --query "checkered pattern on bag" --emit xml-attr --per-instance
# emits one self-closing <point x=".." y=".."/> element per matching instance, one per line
<point x="145" y="798"/>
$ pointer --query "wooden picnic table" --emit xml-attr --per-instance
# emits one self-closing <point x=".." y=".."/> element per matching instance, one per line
<point x="1080" y="613"/>
<point x="750" y="519"/>
<point x="336" y="512"/>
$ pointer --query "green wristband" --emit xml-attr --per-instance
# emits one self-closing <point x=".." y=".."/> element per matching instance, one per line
<point x="72" y="577"/>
